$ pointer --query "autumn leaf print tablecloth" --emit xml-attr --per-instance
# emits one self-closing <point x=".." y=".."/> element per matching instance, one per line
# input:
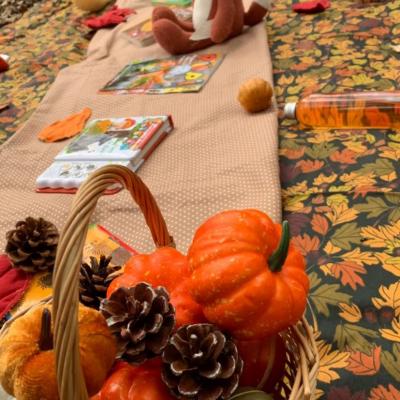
<point x="49" y="37"/>
<point x="341" y="193"/>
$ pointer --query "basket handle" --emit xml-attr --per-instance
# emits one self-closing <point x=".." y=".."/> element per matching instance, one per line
<point x="71" y="383"/>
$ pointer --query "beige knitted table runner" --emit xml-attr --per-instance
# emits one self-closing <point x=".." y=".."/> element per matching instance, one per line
<point x="218" y="157"/>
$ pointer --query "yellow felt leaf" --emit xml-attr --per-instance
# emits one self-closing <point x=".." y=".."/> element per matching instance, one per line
<point x="331" y="249"/>
<point x="329" y="361"/>
<point x="389" y="263"/>
<point x="341" y="213"/>
<point x="350" y="312"/>
<point x="394" y="333"/>
<point x="318" y="394"/>
<point x="360" y="257"/>
<point x="298" y="188"/>
<point x="390" y="297"/>
<point x="323" y="136"/>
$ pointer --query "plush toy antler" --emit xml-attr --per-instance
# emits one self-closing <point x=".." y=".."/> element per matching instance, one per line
<point x="214" y="21"/>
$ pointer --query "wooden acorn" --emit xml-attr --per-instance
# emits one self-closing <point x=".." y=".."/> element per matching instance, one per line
<point x="255" y="95"/>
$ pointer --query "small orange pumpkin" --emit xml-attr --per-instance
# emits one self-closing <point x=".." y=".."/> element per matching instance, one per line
<point x="255" y="95"/>
<point x="27" y="358"/>
<point x="164" y="267"/>
<point x="246" y="275"/>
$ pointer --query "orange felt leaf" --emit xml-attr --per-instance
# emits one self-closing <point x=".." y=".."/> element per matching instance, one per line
<point x="305" y="243"/>
<point x="65" y="128"/>
<point x="319" y="224"/>
<point x="345" y="156"/>
<point x="348" y="272"/>
<point x="381" y="393"/>
<point x="365" y="364"/>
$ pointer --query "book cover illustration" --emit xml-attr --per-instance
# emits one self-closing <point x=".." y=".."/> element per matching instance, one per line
<point x="112" y="138"/>
<point x="142" y="34"/>
<point x="183" y="74"/>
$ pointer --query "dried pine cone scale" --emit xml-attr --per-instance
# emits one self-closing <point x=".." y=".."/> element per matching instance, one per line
<point x="94" y="280"/>
<point x="200" y="362"/>
<point x="142" y="319"/>
<point x="32" y="245"/>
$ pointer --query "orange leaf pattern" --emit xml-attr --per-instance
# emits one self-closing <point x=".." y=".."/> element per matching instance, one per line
<point x="341" y="191"/>
<point x="364" y="364"/>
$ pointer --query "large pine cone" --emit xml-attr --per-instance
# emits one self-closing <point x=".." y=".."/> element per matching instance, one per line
<point x="32" y="245"/>
<point x="141" y="318"/>
<point x="201" y="363"/>
<point x="94" y="280"/>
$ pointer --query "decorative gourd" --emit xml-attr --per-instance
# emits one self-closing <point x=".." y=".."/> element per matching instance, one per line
<point x="246" y="283"/>
<point x="27" y="359"/>
<point x="263" y="362"/>
<point x="255" y="95"/>
<point x="164" y="267"/>
<point x="128" y="382"/>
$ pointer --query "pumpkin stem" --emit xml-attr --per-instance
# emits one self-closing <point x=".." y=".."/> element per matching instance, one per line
<point x="278" y="257"/>
<point x="46" y="337"/>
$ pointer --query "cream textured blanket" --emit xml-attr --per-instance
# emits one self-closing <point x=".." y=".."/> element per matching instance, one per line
<point x="218" y="157"/>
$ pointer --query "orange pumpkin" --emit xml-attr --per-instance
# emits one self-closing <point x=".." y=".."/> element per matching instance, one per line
<point x="128" y="382"/>
<point x="248" y="278"/>
<point x="27" y="359"/>
<point x="165" y="267"/>
<point x="263" y="362"/>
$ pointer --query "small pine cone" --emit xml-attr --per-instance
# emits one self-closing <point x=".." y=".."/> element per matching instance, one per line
<point x="141" y="318"/>
<point x="94" y="280"/>
<point x="32" y="245"/>
<point x="201" y="363"/>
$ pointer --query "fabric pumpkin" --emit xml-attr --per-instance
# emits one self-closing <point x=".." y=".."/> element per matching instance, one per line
<point x="27" y="358"/>
<point x="249" y="280"/>
<point x="128" y="382"/>
<point x="266" y="356"/>
<point x="165" y="267"/>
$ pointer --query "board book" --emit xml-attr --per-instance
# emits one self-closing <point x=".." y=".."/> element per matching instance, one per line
<point x="188" y="73"/>
<point x="122" y="141"/>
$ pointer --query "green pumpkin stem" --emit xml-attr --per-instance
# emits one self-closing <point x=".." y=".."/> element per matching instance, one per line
<point x="46" y="337"/>
<point x="278" y="257"/>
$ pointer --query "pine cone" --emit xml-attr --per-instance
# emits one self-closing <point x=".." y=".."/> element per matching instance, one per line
<point x="200" y="362"/>
<point x="94" y="280"/>
<point x="142" y="319"/>
<point x="33" y="244"/>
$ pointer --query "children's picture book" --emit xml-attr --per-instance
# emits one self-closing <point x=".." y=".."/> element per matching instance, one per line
<point x="121" y="141"/>
<point x="142" y="34"/>
<point x="188" y="73"/>
<point x="180" y="3"/>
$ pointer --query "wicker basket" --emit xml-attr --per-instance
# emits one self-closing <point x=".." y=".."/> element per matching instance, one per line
<point x="302" y="354"/>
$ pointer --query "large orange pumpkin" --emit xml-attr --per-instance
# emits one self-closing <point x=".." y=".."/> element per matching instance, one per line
<point x="249" y="280"/>
<point x="27" y="358"/>
<point x="128" y="382"/>
<point x="164" y="267"/>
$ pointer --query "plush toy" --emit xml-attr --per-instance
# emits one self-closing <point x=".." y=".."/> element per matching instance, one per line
<point x="214" y="21"/>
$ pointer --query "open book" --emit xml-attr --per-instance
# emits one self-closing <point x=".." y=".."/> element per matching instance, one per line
<point x="122" y="141"/>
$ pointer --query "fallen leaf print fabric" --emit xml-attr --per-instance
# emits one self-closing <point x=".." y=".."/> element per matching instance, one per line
<point x="341" y="195"/>
<point x="50" y="36"/>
